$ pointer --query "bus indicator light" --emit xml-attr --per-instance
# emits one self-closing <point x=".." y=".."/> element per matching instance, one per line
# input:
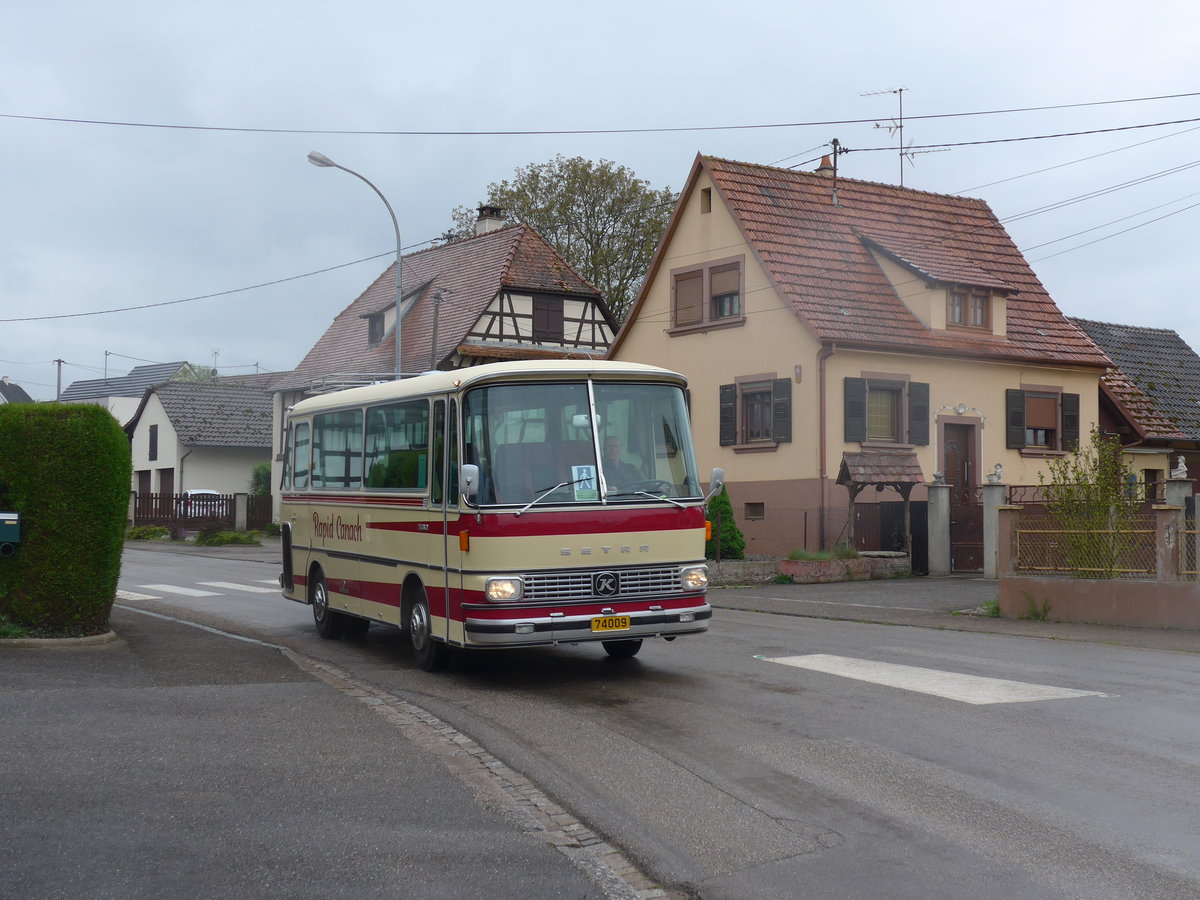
<point x="464" y="541"/>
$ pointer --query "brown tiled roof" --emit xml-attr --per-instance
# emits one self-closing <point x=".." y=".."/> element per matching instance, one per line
<point x="816" y="252"/>
<point x="467" y="273"/>
<point x="880" y="467"/>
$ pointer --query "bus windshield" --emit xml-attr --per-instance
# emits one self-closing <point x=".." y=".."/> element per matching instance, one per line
<point x="539" y="442"/>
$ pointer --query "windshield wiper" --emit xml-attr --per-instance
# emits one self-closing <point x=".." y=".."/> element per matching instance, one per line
<point x="646" y="494"/>
<point x="548" y="491"/>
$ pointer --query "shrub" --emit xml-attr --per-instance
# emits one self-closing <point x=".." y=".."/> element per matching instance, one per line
<point x="727" y="542"/>
<point x="210" y="537"/>
<point x="66" y="470"/>
<point x="148" y="533"/>
<point x="841" y="551"/>
<point x="260" y="480"/>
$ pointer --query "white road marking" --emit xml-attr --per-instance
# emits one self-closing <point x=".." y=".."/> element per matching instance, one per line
<point x="230" y="586"/>
<point x="173" y="589"/>
<point x="131" y="595"/>
<point x="951" y="685"/>
<point x="271" y="581"/>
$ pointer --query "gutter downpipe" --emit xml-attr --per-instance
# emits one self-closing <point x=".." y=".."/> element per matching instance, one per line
<point x="825" y="352"/>
<point x="179" y="487"/>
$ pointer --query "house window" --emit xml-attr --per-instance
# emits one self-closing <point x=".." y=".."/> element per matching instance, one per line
<point x="884" y="410"/>
<point x="374" y="329"/>
<point x="707" y="295"/>
<point x="705" y="200"/>
<point x="754" y="511"/>
<point x="548" y="319"/>
<point x="969" y="309"/>
<point x="756" y="413"/>
<point x="153" y="442"/>
<point x="884" y="419"/>
<point x="1041" y="420"/>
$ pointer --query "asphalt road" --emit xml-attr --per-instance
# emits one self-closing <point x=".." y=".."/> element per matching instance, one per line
<point x="725" y="772"/>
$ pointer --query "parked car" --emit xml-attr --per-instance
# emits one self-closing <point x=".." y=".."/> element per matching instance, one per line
<point x="199" y="503"/>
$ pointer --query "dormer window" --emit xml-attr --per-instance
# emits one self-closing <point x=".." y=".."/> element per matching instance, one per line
<point x="374" y="329"/>
<point x="969" y="309"/>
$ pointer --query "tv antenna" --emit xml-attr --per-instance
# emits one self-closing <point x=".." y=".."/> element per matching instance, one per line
<point x="896" y="127"/>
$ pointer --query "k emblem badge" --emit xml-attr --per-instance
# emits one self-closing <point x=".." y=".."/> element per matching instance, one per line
<point x="605" y="584"/>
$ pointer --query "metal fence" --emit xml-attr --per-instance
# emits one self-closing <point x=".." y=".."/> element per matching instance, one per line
<point x="1045" y="545"/>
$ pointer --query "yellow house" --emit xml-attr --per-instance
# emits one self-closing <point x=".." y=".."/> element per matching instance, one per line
<point x="832" y="327"/>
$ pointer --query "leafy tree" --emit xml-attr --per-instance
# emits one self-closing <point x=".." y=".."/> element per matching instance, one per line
<point x="604" y="220"/>
<point x="1088" y="497"/>
<point x="727" y="542"/>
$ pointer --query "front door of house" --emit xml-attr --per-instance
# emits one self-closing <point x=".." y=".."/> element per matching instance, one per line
<point x="966" y="502"/>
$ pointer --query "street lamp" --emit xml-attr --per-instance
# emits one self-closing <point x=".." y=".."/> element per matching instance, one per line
<point x="320" y="159"/>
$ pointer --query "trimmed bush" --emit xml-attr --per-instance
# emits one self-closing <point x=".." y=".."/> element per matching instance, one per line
<point x="66" y="470"/>
<point x="727" y="537"/>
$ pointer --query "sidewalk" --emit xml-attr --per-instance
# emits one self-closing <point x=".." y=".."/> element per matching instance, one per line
<point x="178" y="761"/>
<point x="952" y="603"/>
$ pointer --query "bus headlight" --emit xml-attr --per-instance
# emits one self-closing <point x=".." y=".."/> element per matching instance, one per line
<point x="695" y="578"/>
<point x="504" y="589"/>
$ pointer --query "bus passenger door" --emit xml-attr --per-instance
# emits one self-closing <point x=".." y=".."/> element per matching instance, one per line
<point x="447" y="500"/>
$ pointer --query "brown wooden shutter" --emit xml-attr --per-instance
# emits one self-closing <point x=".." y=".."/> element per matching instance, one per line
<point x="689" y="298"/>
<point x="728" y="420"/>
<point x="1014" y="419"/>
<point x="1070" y="421"/>
<point x="855" y="410"/>
<point x="781" y="409"/>
<point x="918" y="413"/>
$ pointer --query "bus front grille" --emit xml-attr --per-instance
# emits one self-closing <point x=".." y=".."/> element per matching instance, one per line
<point x="546" y="586"/>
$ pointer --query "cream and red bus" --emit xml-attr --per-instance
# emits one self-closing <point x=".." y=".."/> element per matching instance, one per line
<point x="504" y="505"/>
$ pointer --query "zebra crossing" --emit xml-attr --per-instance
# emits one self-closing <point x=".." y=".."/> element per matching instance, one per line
<point x="200" y="590"/>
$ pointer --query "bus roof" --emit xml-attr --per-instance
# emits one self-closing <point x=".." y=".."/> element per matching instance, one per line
<point x="442" y="382"/>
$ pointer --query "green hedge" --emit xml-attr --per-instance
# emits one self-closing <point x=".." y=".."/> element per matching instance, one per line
<point x="727" y="542"/>
<point x="66" y="470"/>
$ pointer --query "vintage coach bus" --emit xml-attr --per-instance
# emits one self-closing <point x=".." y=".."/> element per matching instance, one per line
<point x="504" y="505"/>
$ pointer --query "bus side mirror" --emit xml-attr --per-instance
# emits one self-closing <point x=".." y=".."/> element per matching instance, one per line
<point x="715" y="483"/>
<point x="468" y="479"/>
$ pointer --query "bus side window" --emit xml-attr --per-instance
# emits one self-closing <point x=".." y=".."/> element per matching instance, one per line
<point x="301" y="448"/>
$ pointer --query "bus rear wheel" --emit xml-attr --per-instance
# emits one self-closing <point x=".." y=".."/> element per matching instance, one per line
<point x="430" y="654"/>
<point x="330" y="623"/>
<point x="622" y="649"/>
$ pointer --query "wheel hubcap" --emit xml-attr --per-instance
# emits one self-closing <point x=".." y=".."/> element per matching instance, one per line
<point x="418" y="625"/>
<point x="320" y="601"/>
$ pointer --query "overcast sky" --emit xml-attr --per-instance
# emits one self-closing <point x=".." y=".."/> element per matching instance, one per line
<point x="105" y="207"/>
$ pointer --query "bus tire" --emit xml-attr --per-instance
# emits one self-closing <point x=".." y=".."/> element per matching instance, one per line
<point x="626" y="649"/>
<point x="330" y="623"/>
<point x="429" y="653"/>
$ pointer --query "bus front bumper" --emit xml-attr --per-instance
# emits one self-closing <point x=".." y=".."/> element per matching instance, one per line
<point x="519" y="631"/>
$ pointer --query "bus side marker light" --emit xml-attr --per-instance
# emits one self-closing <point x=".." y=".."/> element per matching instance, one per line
<point x="464" y="541"/>
<point x="707" y="530"/>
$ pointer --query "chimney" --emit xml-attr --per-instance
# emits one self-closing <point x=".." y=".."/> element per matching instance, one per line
<point x="490" y="218"/>
<point x="825" y="168"/>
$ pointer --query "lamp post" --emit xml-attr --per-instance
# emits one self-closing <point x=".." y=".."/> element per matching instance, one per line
<point x="320" y="159"/>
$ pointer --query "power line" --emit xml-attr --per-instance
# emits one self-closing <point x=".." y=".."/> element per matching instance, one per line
<point x="578" y="131"/>
<point x="101" y="312"/>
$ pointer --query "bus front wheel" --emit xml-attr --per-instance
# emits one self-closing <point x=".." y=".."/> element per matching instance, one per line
<point x="330" y="623"/>
<point x="622" y="649"/>
<point x="430" y="654"/>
